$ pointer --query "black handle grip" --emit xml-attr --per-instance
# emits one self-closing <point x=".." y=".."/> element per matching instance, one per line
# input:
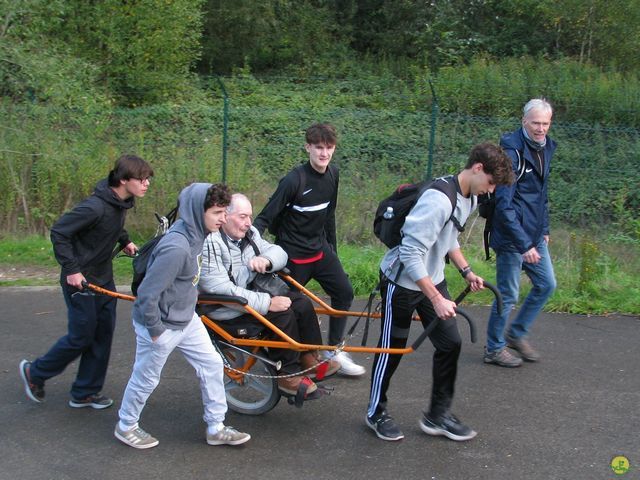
<point x="472" y="325"/>
<point x="490" y="286"/>
<point x="425" y="333"/>
<point x="497" y="294"/>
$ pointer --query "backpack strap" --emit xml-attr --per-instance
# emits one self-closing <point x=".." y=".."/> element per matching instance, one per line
<point x="274" y="228"/>
<point x="246" y="240"/>
<point x="486" y="233"/>
<point x="449" y="186"/>
<point x="302" y="180"/>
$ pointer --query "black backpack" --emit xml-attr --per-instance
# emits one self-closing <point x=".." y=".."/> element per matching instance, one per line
<point x="487" y="207"/>
<point x="392" y="211"/>
<point x="141" y="260"/>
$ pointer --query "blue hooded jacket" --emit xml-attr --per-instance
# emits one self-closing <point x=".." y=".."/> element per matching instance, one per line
<point x="521" y="217"/>
<point x="167" y="296"/>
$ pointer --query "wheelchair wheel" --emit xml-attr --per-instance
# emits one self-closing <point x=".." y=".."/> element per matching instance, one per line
<point x="248" y="394"/>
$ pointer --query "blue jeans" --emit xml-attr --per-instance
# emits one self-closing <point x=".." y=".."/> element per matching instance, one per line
<point x="509" y="264"/>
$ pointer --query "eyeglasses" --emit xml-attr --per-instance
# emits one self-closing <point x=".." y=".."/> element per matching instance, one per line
<point x="143" y="180"/>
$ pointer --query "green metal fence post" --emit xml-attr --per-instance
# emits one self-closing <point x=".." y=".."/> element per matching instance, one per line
<point x="225" y="127"/>
<point x="432" y="137"/>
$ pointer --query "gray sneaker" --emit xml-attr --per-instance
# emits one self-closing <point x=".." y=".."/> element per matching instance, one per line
<point x="502" y="358"/>
<point x="228" y="436"/>
<point x="524" y="348"/>
<point x="136" y="438"/>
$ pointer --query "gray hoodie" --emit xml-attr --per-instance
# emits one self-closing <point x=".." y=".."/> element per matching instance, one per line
<point x="427" y="238"/>
<point x="167" y="296"/>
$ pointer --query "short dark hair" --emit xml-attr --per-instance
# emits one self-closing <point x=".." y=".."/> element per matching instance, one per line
<point x="127" y="167"/>
<point x="321" y="133"/>
<point x="494" y="162"/>
<point x="218" y="195"/>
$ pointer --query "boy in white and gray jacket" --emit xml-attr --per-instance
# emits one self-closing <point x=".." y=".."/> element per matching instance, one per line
<point x="412" y="279"/>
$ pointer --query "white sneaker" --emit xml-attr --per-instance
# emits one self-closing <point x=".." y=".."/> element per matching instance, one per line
<point x="348" y="367"/>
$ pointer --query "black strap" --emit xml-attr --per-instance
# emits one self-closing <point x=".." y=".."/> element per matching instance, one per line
<point x="243" y="243"/>
<point x="488" y="224"/>
<point x="444" y="185"/>
<point x="486" y="236"/>
<point x="365" y="333"/>
<point x="301" y="393"/>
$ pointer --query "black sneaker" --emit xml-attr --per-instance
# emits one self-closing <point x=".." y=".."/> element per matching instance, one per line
<point x="96" y="401"/>
<point x="447" y="425"/>
<point x="33" y="391"/>
<point x="385" y="427"/>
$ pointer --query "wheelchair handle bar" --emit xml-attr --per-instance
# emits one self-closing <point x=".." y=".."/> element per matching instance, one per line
<point x="432" y="325"/>
<point x="490" y="286"/>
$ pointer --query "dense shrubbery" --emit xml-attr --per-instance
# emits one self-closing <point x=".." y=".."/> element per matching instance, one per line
<point x="53" y="155"/>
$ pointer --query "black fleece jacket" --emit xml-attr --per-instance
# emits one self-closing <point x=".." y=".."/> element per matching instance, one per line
<point x="83" y="238"/>
<point x="309" y="222"/>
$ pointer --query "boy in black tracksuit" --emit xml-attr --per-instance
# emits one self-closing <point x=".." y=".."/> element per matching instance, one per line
<point x="83" y="241"/>
<point x="301" y="214"/>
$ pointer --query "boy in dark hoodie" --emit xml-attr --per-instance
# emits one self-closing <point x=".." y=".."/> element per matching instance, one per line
<point x="83" y="241"/>
<point x="164" y="319"/>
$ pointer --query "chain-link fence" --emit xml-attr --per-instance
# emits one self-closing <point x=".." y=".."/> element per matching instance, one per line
<point x="251" y="132"/>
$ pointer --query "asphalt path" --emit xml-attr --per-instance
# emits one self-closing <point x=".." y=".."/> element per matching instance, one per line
<point x="565" y="417"/>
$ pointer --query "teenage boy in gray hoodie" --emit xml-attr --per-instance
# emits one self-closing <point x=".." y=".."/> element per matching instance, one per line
<point x="164" y="319"/>
<point x="412" y="279"/>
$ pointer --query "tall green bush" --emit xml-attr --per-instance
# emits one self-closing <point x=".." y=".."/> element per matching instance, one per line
<point x="52" y="156"/>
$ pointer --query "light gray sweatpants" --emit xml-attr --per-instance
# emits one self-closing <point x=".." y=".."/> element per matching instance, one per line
<point x="196" y="346"/>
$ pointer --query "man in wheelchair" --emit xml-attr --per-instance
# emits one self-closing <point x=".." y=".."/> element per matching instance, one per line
<point x="231" y="260"/>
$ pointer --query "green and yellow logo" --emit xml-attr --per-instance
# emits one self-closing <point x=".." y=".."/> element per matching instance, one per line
<point x="620" y="465"/>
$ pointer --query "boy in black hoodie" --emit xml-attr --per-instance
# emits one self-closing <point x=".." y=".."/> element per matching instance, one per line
<point x="83" y="241"/>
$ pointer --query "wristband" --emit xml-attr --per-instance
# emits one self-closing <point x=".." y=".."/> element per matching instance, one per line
<point x="465" y="271"/>
<point x="434" y="296"/>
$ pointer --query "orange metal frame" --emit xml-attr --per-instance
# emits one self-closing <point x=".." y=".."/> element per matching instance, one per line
<point x="285" y="341"/>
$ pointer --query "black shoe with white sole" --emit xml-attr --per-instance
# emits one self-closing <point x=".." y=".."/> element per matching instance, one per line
<point x="448" y="426"/>
<point x="385" y="427"/>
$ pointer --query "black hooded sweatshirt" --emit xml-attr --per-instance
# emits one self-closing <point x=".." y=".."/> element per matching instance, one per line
<point x="83" y="239"/>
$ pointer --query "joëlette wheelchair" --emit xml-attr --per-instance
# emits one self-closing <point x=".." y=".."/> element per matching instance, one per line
<point x="251" y="384"/>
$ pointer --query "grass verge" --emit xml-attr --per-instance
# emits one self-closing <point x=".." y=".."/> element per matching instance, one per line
<point x="594" y="277"/>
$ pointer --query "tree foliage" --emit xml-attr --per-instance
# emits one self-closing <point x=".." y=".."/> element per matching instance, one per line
<point x="145" y="51"/>
<point x="449" y="32"/>
<point x="266" y="35"/>
<point x="140" y="51"/>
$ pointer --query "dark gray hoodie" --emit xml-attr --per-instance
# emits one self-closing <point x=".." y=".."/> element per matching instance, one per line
<point x="167" y="296"/>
